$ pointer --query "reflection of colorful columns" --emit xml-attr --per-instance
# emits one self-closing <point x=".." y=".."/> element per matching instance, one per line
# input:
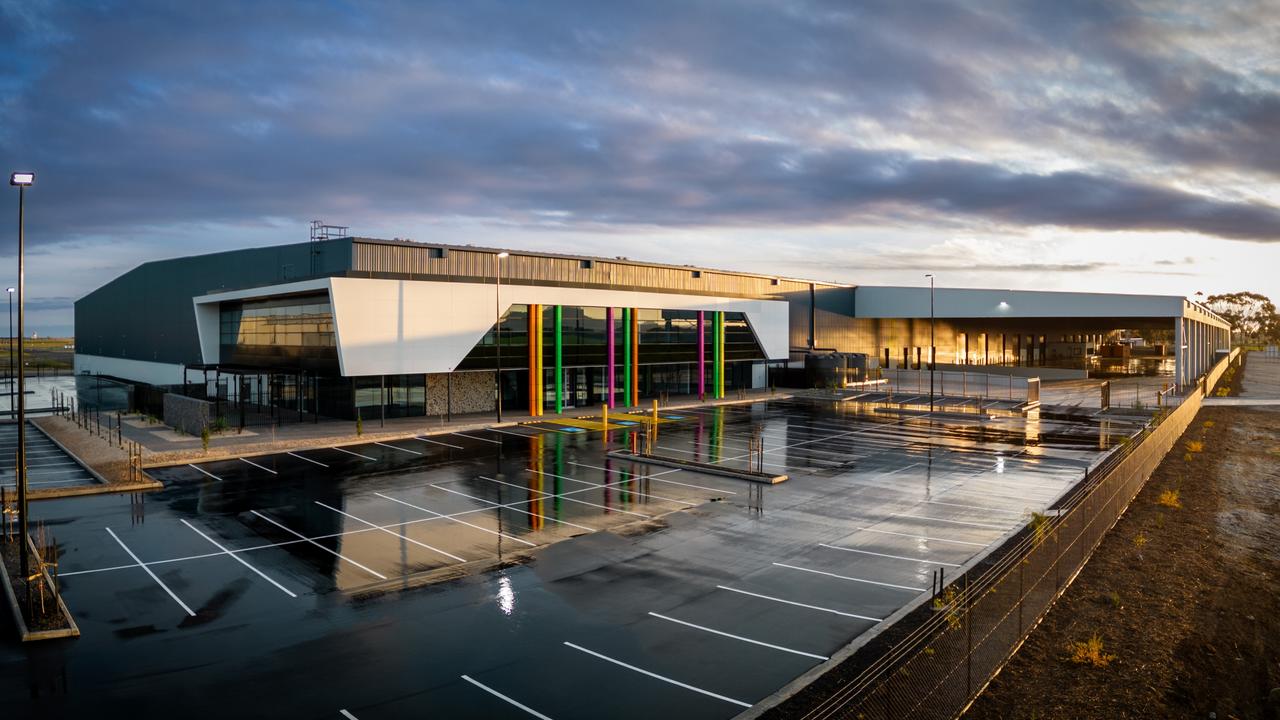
<point x="608" y="341"/>
<point x="626" y="357"/>
<point x="559" y="326"/>
<point x="536" y="479"/>
<point x="702" y="354"/>
<point x="560" y="473"/>
<point x="717" y="355"/>
<point x="635" y="357"/>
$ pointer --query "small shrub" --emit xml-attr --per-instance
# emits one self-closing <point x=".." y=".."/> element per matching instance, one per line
<point x="1208" y="423"/>
<point x="1195" y="446"/>
<point x="1090" y="652"/>
<point x="1159" y="520"/>
<point x="359" y="424"/>
<point x="1114" y="597"/>
<point x="204" y="438"/>
<point x="1039" y="525"/>
<point x="1140" y="541"/>
<point x="1169" y="499"/>
<point x="1188" y="457"/>
<point x="947" y="604"/>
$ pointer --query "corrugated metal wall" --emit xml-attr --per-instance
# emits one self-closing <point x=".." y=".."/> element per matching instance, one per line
<point x="451" y="263"/>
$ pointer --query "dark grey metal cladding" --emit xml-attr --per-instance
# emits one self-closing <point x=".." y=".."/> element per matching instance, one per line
<point x="147" y="313"/>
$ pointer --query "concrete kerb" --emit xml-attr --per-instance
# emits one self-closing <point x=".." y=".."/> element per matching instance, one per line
<point x="284" y="446"/>
<point x="20" y="623"/>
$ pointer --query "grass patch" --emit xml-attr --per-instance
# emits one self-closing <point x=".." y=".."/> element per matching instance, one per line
<point x="1170" y="499"/>
<point x="1090" y="652"/>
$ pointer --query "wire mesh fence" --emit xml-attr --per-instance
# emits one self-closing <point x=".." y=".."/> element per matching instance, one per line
<point x="978" y="621"/>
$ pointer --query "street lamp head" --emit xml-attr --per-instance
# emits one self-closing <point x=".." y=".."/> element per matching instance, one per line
<point x="503" y="254"/>
<point x="22" y="179"/>
<point x="10" y="290"/>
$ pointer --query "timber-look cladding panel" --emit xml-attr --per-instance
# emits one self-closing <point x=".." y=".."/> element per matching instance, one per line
<point x="454" y="264"/>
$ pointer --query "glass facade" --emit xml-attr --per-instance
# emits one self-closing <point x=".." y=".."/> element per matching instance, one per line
<point x="292" y="332"/>
<point x="666" y="336"/>
<point x="292" y="340"/>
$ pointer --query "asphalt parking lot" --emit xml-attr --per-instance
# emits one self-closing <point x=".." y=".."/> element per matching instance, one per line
<point x="521" y="572"/>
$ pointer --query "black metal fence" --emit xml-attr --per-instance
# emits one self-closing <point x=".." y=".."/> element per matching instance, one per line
<point x="978" y="622"/>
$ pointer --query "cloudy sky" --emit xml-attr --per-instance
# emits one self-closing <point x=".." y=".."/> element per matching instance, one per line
<point x="1112" y="145"/>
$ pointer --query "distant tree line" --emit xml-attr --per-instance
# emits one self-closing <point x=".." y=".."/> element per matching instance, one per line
<point x="1252" y="316"/>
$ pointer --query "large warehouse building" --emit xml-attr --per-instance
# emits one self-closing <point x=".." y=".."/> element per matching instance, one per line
<point x="342" y="326"/>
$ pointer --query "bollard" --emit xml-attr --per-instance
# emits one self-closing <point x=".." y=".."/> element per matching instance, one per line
<point x="604" y="425"/>
<point x="655" y="418"/>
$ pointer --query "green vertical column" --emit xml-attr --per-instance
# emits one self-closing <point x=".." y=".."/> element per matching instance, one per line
<point x="559" y="323"/>
<point x="626" y="357"/>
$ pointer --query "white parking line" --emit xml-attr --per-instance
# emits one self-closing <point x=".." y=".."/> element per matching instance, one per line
<point x="348" y="715"/>
<point x="313" y="462"/>
<point x="654" y="476"/>
<point x="892" y="557"/>
<point x="153" y="575"/>
<point x="391" y="532"/>
<point x="473" y="437"/>
<point x="563" y="496"/>
<point x="921" y="537"/>
<point x="953" y="522"/>
<point x="739" y="637"/>
<point x="656" y="676"/>
<point x="336" y="554"/>
<point x="511" y="506"/>
<point x="599" y="485"/>
<point x="366" y="457"/>
<point x="273" y="472"/>
<point x="497" y="694"/>
<point x="206" y="472"/>
<point x="491" y="505"/>
<point x="238" y="559"/>
<point x="846" y="577"/>
<point x="393" y="447"/>
<point x="460" y="522"/>
<point x="437" y="442"/>
<point x="508" y="432"/>
<point x="799" y="604"/>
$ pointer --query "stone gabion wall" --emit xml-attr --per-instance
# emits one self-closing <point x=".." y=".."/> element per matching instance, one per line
<point x="472" y="392"/>
<point x="190" y="415"/>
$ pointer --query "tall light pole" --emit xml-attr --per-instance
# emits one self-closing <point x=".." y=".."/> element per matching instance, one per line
<point x="11" y="405"/>
<point x="497" y="325"/>
<point x="932" y="349"/>
<point x="22" y="180"/>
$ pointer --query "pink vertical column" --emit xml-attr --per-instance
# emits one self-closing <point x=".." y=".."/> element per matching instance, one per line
<point x="608" y="334"/>
<point x="702" y="354"/>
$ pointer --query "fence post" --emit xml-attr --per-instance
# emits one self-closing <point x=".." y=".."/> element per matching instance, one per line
<point x="968" y="621"/>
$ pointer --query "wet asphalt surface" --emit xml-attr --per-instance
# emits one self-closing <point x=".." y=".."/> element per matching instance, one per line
<point x="296" y="585"/>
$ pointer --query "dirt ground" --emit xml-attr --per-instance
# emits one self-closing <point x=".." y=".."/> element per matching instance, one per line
<point x="1184" y="599"/>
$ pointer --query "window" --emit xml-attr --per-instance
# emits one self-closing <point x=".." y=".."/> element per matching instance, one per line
<point x="587" y="264"/>
<point x="437" y="253"/>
